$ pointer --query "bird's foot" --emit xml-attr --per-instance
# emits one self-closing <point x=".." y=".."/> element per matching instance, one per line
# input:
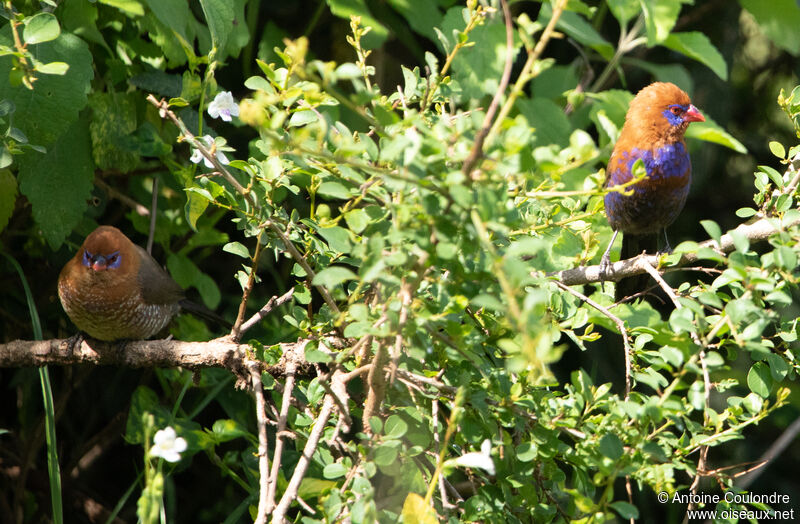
<point x="605" y="267"/>
<point x="73" y="342"/>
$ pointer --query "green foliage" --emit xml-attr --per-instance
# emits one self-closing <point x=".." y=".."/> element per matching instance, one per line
<point x="434" y="280"/>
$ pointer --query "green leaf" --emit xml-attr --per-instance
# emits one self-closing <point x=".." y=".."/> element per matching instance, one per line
<point x="779" y="19"/>
<point x="712" y="228"/>
<point x="759" y="380"/>
<point x="357" y="219"/>
<point x="777" y="149"/>
<point x="41" y="27"/>
<point x="8" y="196"/>
<point x="415" y="511"/>
<point x="578" y="28"/>
<point x="611" y="446"/>
<point x="228" y="429"/>
<point x="710" y="131"/>
<point x="334" y="471"/>
<point x="478" y="68"/>
<point x="334" y="189"/>
<point x="659" y="17"/>
<point x="187" y="274"/>
<point x="421" y="15"/>
<point x="144" y="141"/>
<point x="395" y="427"/>
<point x="80" y="18"/>
<point x="129" y="7"/>
<point x="331" y="277"/>
<point x="625" y="510"/>
<point x="113" y="117"/>
<point x="237" y="248"/>
<point x="698" y="47"/>
<point x="303" y="117"/>
<point x="550" y="124"/>
<point x="624" y="10"/>
<point x="387" y="452"/>
<point x="220" y="17"/>
<point x="52" y="107"/>
<point x="175" y="15"/>
<point x="52" y="68"/>
<point x="59" y="183"/>
<point x="777" y="366"/>
<point x="337" y="237"/>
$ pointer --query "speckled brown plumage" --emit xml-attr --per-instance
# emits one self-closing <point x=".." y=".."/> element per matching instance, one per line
<point x="113" y="289"/>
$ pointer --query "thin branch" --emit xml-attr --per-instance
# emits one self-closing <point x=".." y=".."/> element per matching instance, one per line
<point x="125" y="199"/>
<point x="279" y="515"/>
<point x="291" y="368"/>
<point x="376" y="387"/>
<point x="528" y="69"/>
<point x="626" y="344"/>
<point x="477" y="147"/>
<point x="701" y="463"/>
<point x="272" y="303"/>
<point x="774" y="451"/>
<point x="165" y="112"/>
<point x="236" y="331"/>
<point x="263" y="458"/>
<point x="300" y="259"/>
<point x="757" y="231"/>
<point x="153" y="215"/>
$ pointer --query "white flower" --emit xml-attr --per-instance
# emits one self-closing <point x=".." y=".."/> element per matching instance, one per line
<point x="475" y="459"/>
<point x="197" y="156"/>
<point x="167" y="445"/>
<point x="223" y="106"/>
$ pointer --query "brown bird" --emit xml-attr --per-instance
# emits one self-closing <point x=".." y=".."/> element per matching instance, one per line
<point x="113" y="289"/>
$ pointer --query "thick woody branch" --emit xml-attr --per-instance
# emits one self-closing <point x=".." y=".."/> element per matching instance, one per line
<point x="217" y="353"/>
<point x="758" y="231"/>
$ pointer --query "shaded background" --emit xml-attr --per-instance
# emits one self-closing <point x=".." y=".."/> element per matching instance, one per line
<point x="99" y="466"/>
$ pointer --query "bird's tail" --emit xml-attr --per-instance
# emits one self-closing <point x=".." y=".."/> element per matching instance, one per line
<point x="204" y="313"/>
<point x="634" y="245"/>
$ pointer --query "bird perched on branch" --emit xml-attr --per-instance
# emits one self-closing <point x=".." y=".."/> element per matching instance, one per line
<point x="653" y="133"/>
<point x="113" y="289"/>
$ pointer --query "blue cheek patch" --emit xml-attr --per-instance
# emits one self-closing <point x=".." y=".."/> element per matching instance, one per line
<point x="115" y="260"/>
<point x="674" y="120"/>
<point x="87" y="258"/>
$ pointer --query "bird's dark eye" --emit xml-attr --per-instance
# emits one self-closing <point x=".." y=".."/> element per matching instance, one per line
<point x="675" y="110"/>
<point x="87" y="258"/>
<point x="113" y="259"/>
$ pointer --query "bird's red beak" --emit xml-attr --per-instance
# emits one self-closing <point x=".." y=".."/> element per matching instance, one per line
<point x="99" y="263"/>
<point x="693" y="115"/>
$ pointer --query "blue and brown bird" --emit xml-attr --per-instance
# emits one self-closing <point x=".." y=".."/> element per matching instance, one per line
<point x="113" y="289"/>
<point x="656" y="121"/>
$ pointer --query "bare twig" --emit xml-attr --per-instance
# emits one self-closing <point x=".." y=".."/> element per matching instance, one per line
<point x="291" y="368"/>
<point x="626" y="344"/>
<point x="777" y="447"/>
<point x="407" y="289"/>
<point x="153" y="215"/>
<point x="125" y="199"/>
<point x="279" y="514"/>
<point x="701" y="463"/>
<point x="376" y="384"/>
<point x="757" y="231"/>
<point x="272" y="303"/>
<point x="477" y="147"/>
<point x="300" y="259"/>
<point x="236" y="331"/>
<point x="528" y="69"/>
<point x="165" y="112"/>
<point x="263" y="459"/>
